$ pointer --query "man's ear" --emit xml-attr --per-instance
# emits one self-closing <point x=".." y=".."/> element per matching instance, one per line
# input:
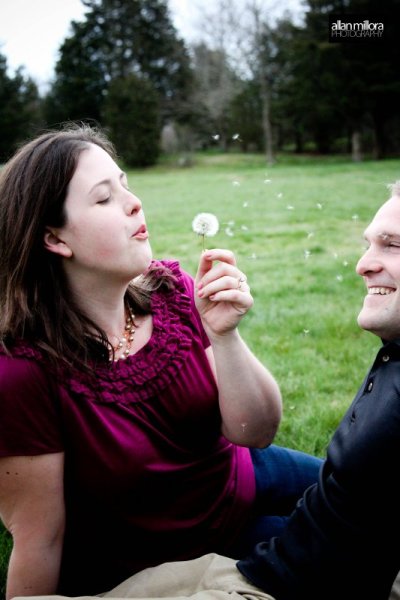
<point x="53" y="243"/>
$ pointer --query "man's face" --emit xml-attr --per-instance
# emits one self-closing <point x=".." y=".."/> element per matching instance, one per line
<point x="380" y="268"/>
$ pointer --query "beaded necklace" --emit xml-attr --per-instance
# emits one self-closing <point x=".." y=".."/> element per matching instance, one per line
<point x="123" y="347"/>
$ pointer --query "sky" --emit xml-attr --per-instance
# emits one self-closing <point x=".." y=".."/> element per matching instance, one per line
<point x="31" y="31"/>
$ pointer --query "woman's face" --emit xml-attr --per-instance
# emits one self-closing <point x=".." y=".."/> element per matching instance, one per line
<point x="105" y="231"/>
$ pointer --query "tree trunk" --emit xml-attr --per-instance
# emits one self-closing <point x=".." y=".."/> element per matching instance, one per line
<point x="356" y="154"/>
<point x="379" y="137"/>
<point x="298" y="141"/>
<point x="266" y="122"/>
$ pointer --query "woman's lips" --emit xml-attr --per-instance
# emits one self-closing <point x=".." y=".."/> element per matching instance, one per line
<point x="141" y="233"/>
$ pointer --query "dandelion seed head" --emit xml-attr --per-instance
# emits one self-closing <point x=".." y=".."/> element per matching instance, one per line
<point x="205" y="224"/>
<point x="339" y="277"/>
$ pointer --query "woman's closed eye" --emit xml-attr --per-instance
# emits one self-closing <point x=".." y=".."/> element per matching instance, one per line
<point x="104" y="200"/>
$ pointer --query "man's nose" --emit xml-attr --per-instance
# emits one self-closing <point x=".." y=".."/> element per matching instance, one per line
<point x="368" y="263"/>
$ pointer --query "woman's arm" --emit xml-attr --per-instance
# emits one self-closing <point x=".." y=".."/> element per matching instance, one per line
<point x="32" y="509"/>
<point x="249" y="397"/>
<point x="250" y="400"/>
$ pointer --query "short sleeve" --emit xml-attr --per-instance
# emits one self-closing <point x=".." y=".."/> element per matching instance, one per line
<point x="29" y="419"/>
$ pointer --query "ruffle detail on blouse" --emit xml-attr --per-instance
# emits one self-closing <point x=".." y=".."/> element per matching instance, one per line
<point x="156" y="365"/>
<point x="23" y="350"/>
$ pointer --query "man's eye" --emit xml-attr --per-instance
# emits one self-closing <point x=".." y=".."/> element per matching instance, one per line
<point x="104" y="201"/>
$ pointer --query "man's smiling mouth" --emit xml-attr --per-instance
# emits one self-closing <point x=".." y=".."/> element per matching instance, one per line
<point x="380" y="291"/>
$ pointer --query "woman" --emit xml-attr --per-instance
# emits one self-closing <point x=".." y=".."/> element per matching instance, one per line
<point x="128" y="401"/>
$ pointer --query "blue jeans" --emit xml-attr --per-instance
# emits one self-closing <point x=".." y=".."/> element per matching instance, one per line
<point x="282" y="475"/>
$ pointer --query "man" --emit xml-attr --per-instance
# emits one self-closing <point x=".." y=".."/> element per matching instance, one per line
<point x="339" y="542"/>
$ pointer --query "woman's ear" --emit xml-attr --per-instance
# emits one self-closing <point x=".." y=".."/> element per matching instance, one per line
<point x="53" y="243"/>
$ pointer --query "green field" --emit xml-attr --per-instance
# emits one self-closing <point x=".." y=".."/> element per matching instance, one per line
<point x="297" y="231"/>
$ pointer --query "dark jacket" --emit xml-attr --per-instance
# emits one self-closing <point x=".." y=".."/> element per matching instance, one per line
<point x="341" y="540"/>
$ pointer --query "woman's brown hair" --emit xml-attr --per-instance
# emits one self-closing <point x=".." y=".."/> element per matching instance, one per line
<point x="35" y="302"/>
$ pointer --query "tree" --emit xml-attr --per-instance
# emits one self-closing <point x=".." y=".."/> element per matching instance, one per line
<point x="245" y="109"/>
<point x="131" y="112"/>
<point x="261" y="67"/>
<point x="374" y="67"/>
<point x="20" y="111"/>
<point x="243" y="32"/>
<point x="119" y="38"/>
<point x="80" y="83"/>
<point x="358" y="82"/>
<point x="216" y="85"/>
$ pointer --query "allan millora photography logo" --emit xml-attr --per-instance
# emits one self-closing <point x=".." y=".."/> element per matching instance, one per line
<point x="356" y="28"/>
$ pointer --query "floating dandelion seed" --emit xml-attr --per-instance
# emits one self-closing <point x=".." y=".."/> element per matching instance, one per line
<point x="290" y="207"/>
<point x="354" y="217"/>
<point x="307" y="254"/>
<point x="279" y="195"/>
<point x="335" y="255"/>
<point x="345" y="263"/>
<point x="229" y="232"/>
<point x="267" y="180"/>
<point x="235" y="136"/>
<point x="215" y="137"/>
<point x="235" y="182"/>
<point x="253" y="256"/>
<point x="205" y="224"/>
<point x="306" y="331"/>
<point x="245" y="204"/>
<point x="244" y="228"/>
<point x="339" y="277"/>
<point x="310" y="234"/>
<point x="319" y="206"/>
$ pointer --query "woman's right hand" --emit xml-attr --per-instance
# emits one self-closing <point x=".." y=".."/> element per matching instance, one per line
<point x="222" y="293"/>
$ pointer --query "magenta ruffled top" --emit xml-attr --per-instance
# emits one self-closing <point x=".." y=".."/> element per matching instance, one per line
<point x="148" y="476"/>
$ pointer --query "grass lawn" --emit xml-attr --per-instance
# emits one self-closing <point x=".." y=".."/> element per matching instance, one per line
<point x="297" y="231"/>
